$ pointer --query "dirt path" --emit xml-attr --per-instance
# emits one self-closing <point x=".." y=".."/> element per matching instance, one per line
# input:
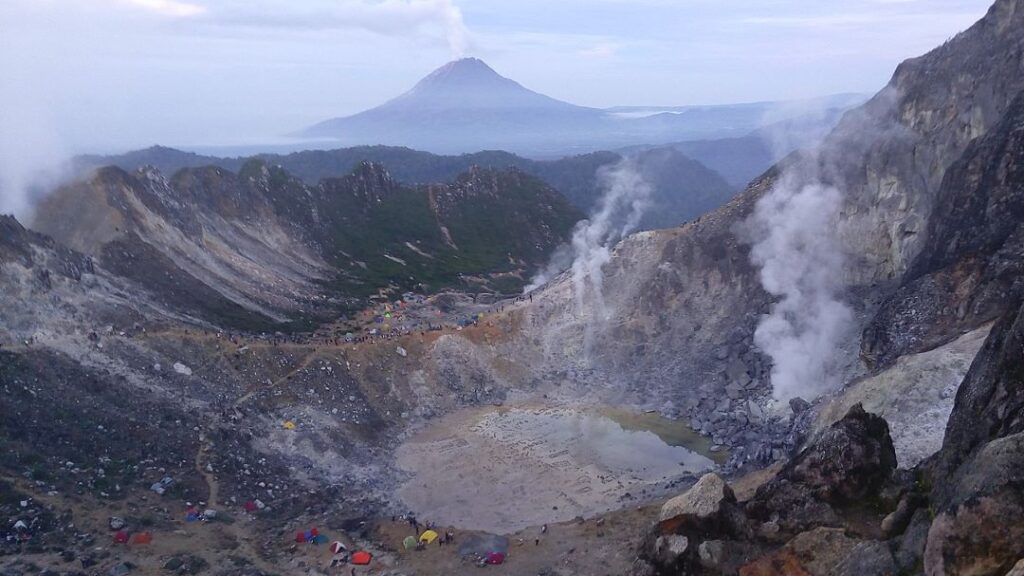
<point x="211" y="481"/>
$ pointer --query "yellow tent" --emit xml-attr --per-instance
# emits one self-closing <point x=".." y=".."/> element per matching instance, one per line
<point x="429" y="536"/>
<point x="289" y="425"/>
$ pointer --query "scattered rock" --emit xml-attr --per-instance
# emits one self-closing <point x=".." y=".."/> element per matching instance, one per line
<point x="702" y="501"/>
<point x="668" y="549"/>
<point x="799" y="405"/>
<point x="182" y="369"/>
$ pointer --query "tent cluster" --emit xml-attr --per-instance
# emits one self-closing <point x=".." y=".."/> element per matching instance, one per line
<point x="338" y="548"/>
<point x="123" y="537"/>
<point x="311" y="536"/>
<point x="484" y="549"/>
<point x="192" y="514"/>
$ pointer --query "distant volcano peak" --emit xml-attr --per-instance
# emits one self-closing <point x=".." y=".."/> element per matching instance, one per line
<point x="469" y="83"/>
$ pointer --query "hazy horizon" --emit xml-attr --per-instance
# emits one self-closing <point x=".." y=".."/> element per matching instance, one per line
<point x="108" y="75"/>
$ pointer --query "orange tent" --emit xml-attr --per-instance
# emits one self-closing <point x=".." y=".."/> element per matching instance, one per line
<point x="361" y="558"/>
<point x="143" y="538"/>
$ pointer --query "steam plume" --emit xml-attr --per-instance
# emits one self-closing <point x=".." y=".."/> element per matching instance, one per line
<point x="794" y="245"/>
<point x="626" y="196"/>
<point x="30" y="152"/>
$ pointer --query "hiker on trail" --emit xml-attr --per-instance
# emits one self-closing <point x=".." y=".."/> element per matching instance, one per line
<point x="536" y="542"/>
<point x="544" y="529"/>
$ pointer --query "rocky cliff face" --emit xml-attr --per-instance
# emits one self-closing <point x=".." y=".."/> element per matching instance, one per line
<point x="255" y="249"/>
<point x="978" y="476"/>
<point x="970" y="265"/>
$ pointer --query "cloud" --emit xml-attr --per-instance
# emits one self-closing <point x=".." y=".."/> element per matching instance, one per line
<point x="168" y="7"/>
<point x="599" y="51"/>
<point x="441" y="18"/>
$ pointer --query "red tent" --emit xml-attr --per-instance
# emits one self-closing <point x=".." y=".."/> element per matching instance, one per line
<point x="495" y="558"/>
<point x="250" y="506"/>
<point x="121" y="537"/>
<point x="143" y="538"/>
<point x="300" y="537"/>
<point x="361" y="558"/>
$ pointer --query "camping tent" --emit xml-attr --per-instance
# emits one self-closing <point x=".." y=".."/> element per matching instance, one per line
<point x="337" y="547"/>
<point x="409" y="542"/>
<point x="289" y="425"/>
<point x="361" y="558"/>
<point x="250" y="506"/>
<point x="495" y="558"/>
<point x="143" y="538"/>
<point x="320" y="539"/>
<point x="121" y="537"/>
<point x="429" y="536"/>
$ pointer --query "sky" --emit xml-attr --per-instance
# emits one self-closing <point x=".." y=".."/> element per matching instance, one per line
<point x="109" y="75"/>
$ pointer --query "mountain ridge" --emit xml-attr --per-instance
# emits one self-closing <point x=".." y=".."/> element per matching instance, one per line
<point x="681" y="192"/>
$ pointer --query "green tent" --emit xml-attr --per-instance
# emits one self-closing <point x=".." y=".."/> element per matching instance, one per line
<point x="409" y="542"/>
<point x="320" y="539"/>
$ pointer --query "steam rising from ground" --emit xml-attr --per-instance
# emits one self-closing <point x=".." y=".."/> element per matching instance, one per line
<point x="30" y="150"/>
<point x="625" y="199"/>
<point x="795" y="247"/>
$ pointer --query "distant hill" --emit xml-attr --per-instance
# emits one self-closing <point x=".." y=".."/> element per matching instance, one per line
<point x="466" y="106"/>
<point x="683" y="188"/>
<point x="742" y="159"/>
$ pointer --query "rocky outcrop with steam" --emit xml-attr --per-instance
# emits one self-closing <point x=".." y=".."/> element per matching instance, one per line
<point x="684" y="304"/>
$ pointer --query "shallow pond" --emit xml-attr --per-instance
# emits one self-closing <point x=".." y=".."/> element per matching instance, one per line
<point x="503" y="469"/>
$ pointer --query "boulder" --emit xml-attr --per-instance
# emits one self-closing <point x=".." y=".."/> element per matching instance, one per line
<point x="976" y="478"/>
<point x="726" y="556"/>
<point x="848" y="463"/>
<point x="669" y="548"/>
<point x="851" y="459"/>
<point x="824" y="551"/>
<point x="978" y="529"/>
<point x="702" y="502"/>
